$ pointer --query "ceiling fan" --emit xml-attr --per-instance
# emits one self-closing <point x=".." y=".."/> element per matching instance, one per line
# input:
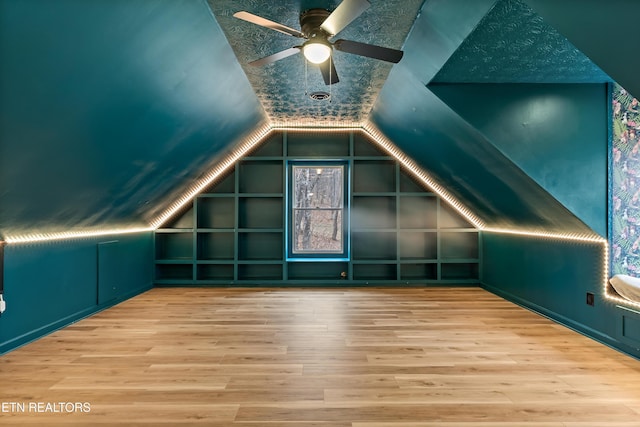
<point x="317" y="27"/>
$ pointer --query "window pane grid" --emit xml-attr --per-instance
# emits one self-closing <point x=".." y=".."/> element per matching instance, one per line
<point x="317" y="209"/>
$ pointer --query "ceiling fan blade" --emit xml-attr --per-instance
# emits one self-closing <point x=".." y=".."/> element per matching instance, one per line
<point x="275" y="57"/>
<point x="346" y="12"/>
<point x="369" y="50"/>
<point x="255" y="19"/>
<point x="329" y="73"/>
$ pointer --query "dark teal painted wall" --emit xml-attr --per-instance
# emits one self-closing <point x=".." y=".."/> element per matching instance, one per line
<point x="605" y="31"/>
<point x="556" y="133"/>
<point x="51" y="284"/>
<point x="464" y="161"/>
<point x="108" y="106"/>
<point x="553" y="278"/>
<point x="458" y="154"/>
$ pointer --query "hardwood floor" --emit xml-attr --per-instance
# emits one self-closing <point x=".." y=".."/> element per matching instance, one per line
<point x="319" y="357"/>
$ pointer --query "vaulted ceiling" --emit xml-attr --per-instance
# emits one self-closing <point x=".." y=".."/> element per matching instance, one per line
<point x="281" y="87"/>
<point x="109" y="109"/>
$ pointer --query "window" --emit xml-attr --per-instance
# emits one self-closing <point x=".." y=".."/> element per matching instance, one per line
<point x="317" y="217"/>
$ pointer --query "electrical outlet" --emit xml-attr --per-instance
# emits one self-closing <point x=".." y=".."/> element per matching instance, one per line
<point x="3" y="305"/>
<point x="590" y="298"/>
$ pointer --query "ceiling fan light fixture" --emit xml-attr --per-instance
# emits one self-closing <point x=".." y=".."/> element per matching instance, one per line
<point x="316" y="52"/>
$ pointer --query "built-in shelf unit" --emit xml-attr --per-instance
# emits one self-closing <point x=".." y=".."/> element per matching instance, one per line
<point x="233" y="233"/>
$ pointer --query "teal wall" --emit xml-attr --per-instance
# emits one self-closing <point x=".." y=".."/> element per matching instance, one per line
<point x="556" y="133"/>
<point x="465" y="161"/>
<point x="520" y="156"/>
<point x="472" y="164"/>
<point x="109" y="106"/>
<point x="553" y="277"/>
<point x="51" y="284"/>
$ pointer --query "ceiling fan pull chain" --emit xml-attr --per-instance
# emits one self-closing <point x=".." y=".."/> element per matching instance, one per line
<point x="306" y="84"/>
<point x="330" y="75"/>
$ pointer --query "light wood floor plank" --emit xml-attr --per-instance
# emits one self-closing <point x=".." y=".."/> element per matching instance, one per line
<point x="366" y="357"/>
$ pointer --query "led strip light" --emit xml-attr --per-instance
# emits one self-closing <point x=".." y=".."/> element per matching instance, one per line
<point x="310" y="125"/>
<point x="245" y="146"/>
<point x="64" y="235"/>
<point x="573" y="237"/>
<point x="219" y="170"/>
<point x="381" y="141"/>
<point x="389" y="147"/>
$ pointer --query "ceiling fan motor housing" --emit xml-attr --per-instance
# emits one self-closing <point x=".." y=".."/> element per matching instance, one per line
<point x="310" y="22"/>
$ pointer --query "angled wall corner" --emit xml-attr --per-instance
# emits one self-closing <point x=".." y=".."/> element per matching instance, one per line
<point x="440" y="28"/>
<point x="556" y="133"/>
<point x="465" y="162"/>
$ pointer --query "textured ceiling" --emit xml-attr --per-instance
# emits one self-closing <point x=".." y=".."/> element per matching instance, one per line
<point x="281" y="86"/>
<point x="513" y="44"/>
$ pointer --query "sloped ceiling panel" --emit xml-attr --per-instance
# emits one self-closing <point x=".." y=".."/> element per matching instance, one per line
<point x="556" y="133"/>
<point x="462" y="158"/>
<point x="109" y="105"/>
<point x="513" y="44"/>
<point x="283" y="86"/>
<point x="464" y="161"/>
<point x="606" y="31"/>
<point x="439" y="30"/>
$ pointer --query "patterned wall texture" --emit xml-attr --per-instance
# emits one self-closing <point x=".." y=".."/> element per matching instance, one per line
<point x="626" y="184"/>
<point x="281" y="86"/>
<point x="513" y="44"/>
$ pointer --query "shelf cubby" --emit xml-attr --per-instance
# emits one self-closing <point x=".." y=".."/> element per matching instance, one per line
<point x="216" y="246"/>
<point x="373" y="212"/>
<point x="314" y="145"/>
<point x="419" y="271"/>
<point x="174" y="246"/>
<point x="223" y="272"/>
<point x="260" y="246"/>
<point x="265" y="176"/>
<point x="458" y="245"/>
<point x="374" y="176"/>
<point x="418" y="212"/>
<point x="415" y="245"/>
<point x="260" y="212"/>
<point x="216" y="212"/>
<point x="272" y="147"/>
<point x="174" y="272"/>
<point x="362" y="147"/>
<point x="317" y="270"/>
<point x="375" y="271"/>
<point x="260" y="272"/>
<point x="459" y="271"/>
<point x="379" y="245"/>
